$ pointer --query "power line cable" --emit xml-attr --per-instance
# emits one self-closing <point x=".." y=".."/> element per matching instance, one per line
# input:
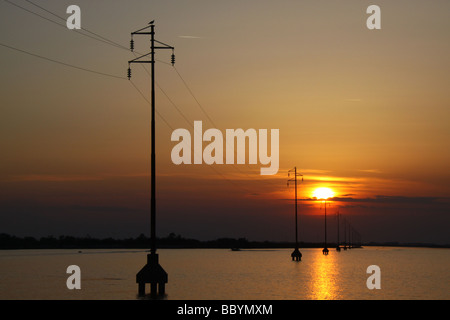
<point x="196" y="100"/>
<point x="62" y="63"/>
<point x="110" y="42"/>
<point x="64" y="26"/>
<point x="107" y="41"/>
<point x="83" y="69"/>
<point x="209" y="118"/>
<point x="145" y="98"/>
<point x="190" y="124"/>
<point x="101" y="38"/>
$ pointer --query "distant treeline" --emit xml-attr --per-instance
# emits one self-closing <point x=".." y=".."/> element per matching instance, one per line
<point x="171" y="241"/>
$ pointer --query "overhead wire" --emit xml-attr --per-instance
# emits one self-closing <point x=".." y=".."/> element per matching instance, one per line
<point x="86" y="70"/>
<point x="102" y="39"/>
<point x="62" y="63"/>
<point x="115" y="44"/>
<point x="99" y="38"/>
<point x="196" y="100"/>
<point x="145" y="98"/>
<point x="209" y="118"/>
<point x="191" y="125"/>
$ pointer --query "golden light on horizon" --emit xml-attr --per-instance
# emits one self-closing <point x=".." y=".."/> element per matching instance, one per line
<point x="323" y="193"/>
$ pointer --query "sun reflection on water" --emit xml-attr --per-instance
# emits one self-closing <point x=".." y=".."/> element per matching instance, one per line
<point x="324" y="277"/>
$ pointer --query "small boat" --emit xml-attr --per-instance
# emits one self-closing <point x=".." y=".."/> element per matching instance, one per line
<point x="235" y="249"/>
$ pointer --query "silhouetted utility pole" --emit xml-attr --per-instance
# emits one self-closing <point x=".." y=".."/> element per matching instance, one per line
<point x="296" y="255"/>
<point x="152" y="272"/>
<point x="357" y="239"/>
<point x="338" y="248"/>
<point x="350" y="236"/>
<point x="325" y="249"/>
<point x="345" y="234"/>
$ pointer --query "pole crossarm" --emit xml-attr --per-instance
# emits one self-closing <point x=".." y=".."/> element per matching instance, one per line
<point x="166" y="46"/>
<point x="295" y="176"/>
<point x="153" y="47"/>
<point x="135" y="60"/>
<point x="139" y="31"/>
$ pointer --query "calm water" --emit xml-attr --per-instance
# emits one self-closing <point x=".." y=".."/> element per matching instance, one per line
<point x="406" y="273"/>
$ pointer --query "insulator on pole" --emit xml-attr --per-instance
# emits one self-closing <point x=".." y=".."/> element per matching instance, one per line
<point x="173" y="59"/>
<point x="132" y="45"/>
<point x="129" y="73"/>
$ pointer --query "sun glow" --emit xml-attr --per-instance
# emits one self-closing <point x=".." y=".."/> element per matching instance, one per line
<point x="323" y="193"/>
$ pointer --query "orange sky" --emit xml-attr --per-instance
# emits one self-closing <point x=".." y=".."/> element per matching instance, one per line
<point x="364" y="112"/>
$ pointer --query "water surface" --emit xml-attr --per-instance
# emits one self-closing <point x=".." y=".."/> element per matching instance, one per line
<point x="197" y="274"/>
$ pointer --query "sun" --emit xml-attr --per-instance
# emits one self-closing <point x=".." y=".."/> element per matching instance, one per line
<point x="323" y="193"/>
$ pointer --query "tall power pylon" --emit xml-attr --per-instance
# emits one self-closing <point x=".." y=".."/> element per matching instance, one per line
<point x="296" y="255"/>
<point x="325" y="248"/>
<point x="152" y="272"/>
<point x="338" y="247"/>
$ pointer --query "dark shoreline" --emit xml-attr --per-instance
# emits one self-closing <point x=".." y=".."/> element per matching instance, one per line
<point x="172" y="241"/>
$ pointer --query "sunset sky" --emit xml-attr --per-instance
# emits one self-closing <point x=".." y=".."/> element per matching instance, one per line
<point x="363" y="112"/>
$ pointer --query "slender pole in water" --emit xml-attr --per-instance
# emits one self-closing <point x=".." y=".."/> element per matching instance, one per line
<point x="325" y="223"/>
<point x="349" y="236"/>
<point x="296" y="225"/>
<point x="152" y="272"/>
<point x="153" y="155"/>
<point x="345" y="234"/>
<point x="338" y="248"/>
<point x="325" y="249"/>
<point x="296" y="255"/>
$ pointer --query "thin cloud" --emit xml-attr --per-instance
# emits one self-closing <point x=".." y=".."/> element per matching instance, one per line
<point x="190" y="37"/>
<point x="316" y="171"/>
<point x="389" y="199"/>
<point x="108" y="209"/>
<point x="54" y="178"/>
<point x="371" y="170"/>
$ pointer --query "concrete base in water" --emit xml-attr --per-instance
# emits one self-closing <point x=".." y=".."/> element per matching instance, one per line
<point x="154" y="274"/>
